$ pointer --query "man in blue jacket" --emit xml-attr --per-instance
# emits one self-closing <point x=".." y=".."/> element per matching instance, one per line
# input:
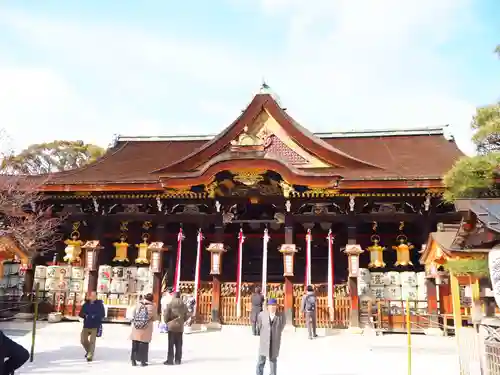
<point x="92" y="313"/>
<point x="12" y="355"/>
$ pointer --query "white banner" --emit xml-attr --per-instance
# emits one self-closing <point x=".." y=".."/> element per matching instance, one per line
<point x="494" y="268"/>
<point x="264" y="262"/>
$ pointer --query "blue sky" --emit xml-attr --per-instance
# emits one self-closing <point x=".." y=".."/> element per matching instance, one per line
<point x="90" y="69"/>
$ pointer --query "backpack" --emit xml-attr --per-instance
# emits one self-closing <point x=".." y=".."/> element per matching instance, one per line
<point x="141" y="317"/>
<point x="310" y="303"/>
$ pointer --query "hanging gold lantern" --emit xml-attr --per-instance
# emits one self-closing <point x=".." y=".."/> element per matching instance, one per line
<point x="376" y="253"/>
<point x="142" y="256"/>
<point x="121" y="250"/>
<point x="73" y="248"/>
<point x="403" y="251"/>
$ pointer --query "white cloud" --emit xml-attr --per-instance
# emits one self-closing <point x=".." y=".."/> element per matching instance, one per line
<point x="345" y="64"/>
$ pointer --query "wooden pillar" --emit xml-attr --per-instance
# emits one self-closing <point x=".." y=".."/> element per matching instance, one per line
<point x="159" y="237"/>
<point x="96" y="235"/>
<point x="432" y="304"/>
<point x="215" y="307"/>
<point x="288" y="300"/>
<point x="353" y="283"/>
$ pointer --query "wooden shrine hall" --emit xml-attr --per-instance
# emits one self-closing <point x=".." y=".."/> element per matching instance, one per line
<point x="263" y="203"/>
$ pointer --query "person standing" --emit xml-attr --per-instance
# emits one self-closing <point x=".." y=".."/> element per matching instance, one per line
<point x="256" y="302"/>
<point x="271" y="325"/>
<point x="308" y="308"/>
<point x="144" y="315"/>
<point x="175" y="317"/>
<point x="93" y="313"/>
<point x="12" y="355"/>
<point x="165" y="300"/>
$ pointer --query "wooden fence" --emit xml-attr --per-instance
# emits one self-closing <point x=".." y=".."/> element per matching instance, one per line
<point x="341" y="312"/>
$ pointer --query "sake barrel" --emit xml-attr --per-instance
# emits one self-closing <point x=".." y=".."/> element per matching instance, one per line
<point x="364" y="275"/>
<point x="65" y="272"/>
<point x="4" y="282"/>
<point x="76" y="286"/>
<point x="14" y="268"/>
<point x="63" y="284"/>
<point x="377" y="279"/>
<point x="6" y="268"/>
<point x="77" y="273"/>
<point x="103" y="285"/>
<point x="105" y="272"/>
<point x="132" y="273"/>
<point x="409" y="292"/>
<point x="51" y="284"/>
<point x="132" y="286"/>
<point x="392" y="292"/>
<point x="40" y="272"/>
<point x="422" y="292"/>
<point x="40" y="282"/>
<point x="409" y="278"/>
<point x="377" y="292"/>
<point x="12" y="281"/>
<point x="143" y="273"/>
<point x="122" y="286"/>
<point x="363" y="289"/>
<point x="392" y="278"/>
<point x="141" y="286"/>
<point x="421" y="278"/>
<point x="57" y="272"/>
<point x="118" y="273"/>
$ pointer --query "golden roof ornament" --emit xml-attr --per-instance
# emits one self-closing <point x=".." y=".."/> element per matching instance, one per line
<point x="376" y="253"/>
<point x="248" y="178"/>
<point x="247" y="139"/>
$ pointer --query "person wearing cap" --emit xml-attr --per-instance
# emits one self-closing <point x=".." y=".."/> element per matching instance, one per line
<point x="256" y="302"/>
<point x="271" y="324"/>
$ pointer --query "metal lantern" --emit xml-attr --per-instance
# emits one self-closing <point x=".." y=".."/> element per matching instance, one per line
<point x="142" y="256"/>
<point x="121" y="249"/>
<point x="403" y="251"/>
<point x="73" y="248"/>
<point x="376" y="253"/>
<point x="156" y="249"/>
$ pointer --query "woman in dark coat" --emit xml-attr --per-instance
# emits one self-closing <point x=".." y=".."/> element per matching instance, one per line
<point x="256" y="302"/>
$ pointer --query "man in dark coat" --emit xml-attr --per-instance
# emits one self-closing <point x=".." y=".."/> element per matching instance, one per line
<point x="176" y="315"/>
<point x="12" y="355"/>
<point x="271" y="324"/>
<point x="93" y="313"/>
<point x="256" y="302"/>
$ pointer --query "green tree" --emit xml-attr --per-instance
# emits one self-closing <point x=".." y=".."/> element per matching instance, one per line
<point x="56" y="156"/>
<point x="475" y="174"/>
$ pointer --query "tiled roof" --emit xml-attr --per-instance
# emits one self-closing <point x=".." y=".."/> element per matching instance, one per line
<point x="401" y="157"/>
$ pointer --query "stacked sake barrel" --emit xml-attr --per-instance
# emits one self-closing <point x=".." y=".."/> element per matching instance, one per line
<point x="392" y="288"/>
<point x="421" y="291"/>
<point x="377" y="284"/>
<point x="144" y="281"/>
<point x="12" y="281"/>
<point x="77" y="280"/>
<point x="40" y="277"/>
<point x="57" y="278"/>
<point x="364" y="282"/>
<point x="104" y="280"/>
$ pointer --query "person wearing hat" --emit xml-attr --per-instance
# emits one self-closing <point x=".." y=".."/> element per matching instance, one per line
<point x="271" y="324"/>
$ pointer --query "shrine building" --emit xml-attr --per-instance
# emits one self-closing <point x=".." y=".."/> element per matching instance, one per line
<point x="263" y="203"/>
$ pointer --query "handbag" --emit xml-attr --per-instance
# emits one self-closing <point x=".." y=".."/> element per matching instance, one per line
<point x="99" y="331"/>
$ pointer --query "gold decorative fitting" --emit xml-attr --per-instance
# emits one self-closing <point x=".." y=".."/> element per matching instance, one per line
<point x="147" y="225"/>
<point x="376" y="253"/>
<point x="246" y="139"/>
<point x="403" y="251"/>
<point x="287" y="189"/>
<point x="401" y="225"/>
<point x="248" y="178"/>
<point x="124" y="226"/>
<point x="211" y="188"/>
<point x="76" y="226"/>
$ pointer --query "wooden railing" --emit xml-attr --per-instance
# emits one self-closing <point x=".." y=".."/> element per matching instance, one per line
<point x="341" y="312"/>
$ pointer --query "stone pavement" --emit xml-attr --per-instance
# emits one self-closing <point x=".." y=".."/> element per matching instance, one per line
<point x="233" y="351"/>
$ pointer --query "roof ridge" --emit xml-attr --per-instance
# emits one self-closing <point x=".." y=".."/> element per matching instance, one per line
<point x="431" y="130"/>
